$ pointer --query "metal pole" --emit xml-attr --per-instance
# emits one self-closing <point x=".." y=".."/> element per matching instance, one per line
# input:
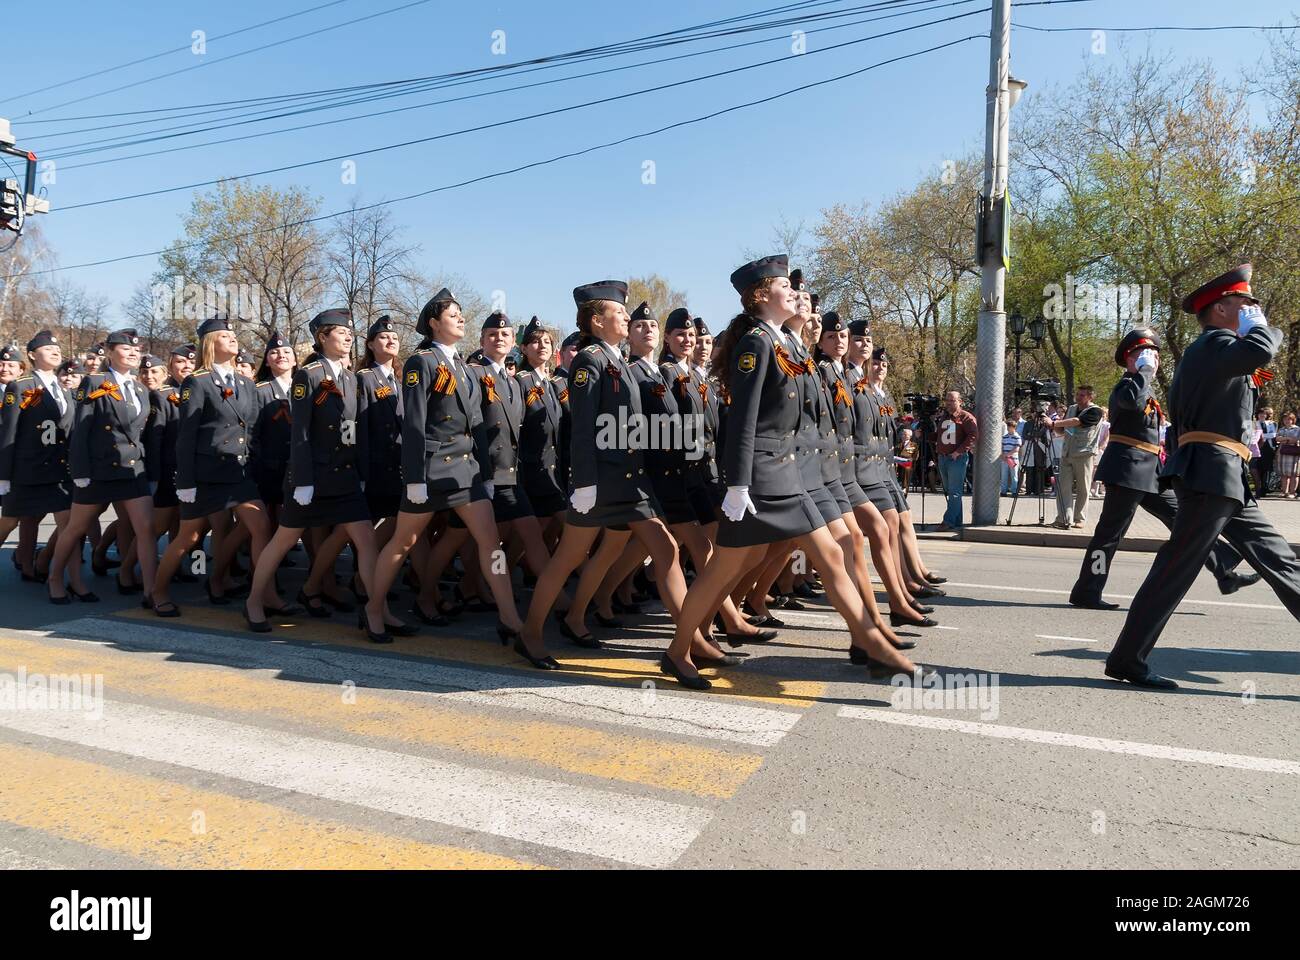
<point x="991" y="337"/>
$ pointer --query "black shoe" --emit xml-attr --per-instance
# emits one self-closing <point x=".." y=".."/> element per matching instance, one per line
<point x="288" y="610"/>
<point x="896" y="621"/>
<point x="922" y="608"/>
<point x="437" y="620"/>
<point x="62" y="601"/>
<point x="101" y="569"/>
<point x="1149" y="680"/>
<point x="902" y="644"/>
<point x="166" y="609"/>
<point x="87" y="597"/>
<point x="312" y="604"/>
<point x="479" y="606"/>
<point x="1234" y="581"/>
<point x="740" y="639"/>
<point x="342" y="606"/>
<point x="587" y="640"/>
<point x="219" y="601"/>
<point x="128" y="590"/>
<point x="373" y="637"/>
<point x="402" y="629"/>
<point x="667" y="666"/>
<point x="1088" y="603"/>
<point x="541" y="663"/>
<point x="631" y="609"/>
<point x="257" y="626"/>
<point x="932" y="578"/>
<point x="804" y="590"/>
<point x="610" y="623"/>
<point x="726" y="660"/>
<point x="925" y="593"/>
<point x="32" y="578"/>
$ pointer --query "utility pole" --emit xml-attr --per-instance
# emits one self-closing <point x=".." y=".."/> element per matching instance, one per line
<point x="991" y="336"/>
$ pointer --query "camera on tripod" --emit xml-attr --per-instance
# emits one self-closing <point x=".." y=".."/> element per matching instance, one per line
<point x="1035" y="390"/>
<point x="921" y="405"/>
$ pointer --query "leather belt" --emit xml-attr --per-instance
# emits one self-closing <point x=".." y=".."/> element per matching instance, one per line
<point x="1140" y="444"/>
<point x="1216" y="439"/>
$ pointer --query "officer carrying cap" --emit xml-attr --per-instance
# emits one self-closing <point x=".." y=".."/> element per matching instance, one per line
<point x="496" y="321"/>
<point x="859" y="328"/>
<point x="185" y="350"/>
<point x="213" y="325"/>
<point x="643" y="312"/>
<point x="615" y="290"/>
<point x="430" y="309"/>
<point x="122" y="338"/>
<point x="1139" y="338"/>
<point x="572" y="340"/>
<point x="334" y="317"/>
<point x="679" y="319"/>
<point x="831" y="322"/>
<point x="383" y="325"/>
<point x="43" y="339"/>
<point x="9" y="353"/>
<point x="742" y="278"/>
<point x="701" y="328"/>
<point x="1235" y="281"/>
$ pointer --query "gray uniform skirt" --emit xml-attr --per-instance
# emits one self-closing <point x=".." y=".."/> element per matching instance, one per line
<point x="778" y="518"/>
<point x="615" y="515"/>
<point x="36" y="499"/>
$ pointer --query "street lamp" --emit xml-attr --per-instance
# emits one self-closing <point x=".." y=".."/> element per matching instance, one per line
<point x="1038" y="330"/>
<point x="1017" y="323"/>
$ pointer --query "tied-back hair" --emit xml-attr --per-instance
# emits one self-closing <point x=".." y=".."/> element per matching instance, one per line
<point x="588" y="310"/>
<point x="264" y="373"/>
<point x="741" y="323"/>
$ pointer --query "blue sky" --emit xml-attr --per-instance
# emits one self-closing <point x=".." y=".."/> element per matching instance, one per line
<point x="720" y="187"/>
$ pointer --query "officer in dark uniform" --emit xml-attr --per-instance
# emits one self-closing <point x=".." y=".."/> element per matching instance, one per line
<point x="539" y="434"/>
<point x="107" y="458"/>
<point x="36" y="417"/>
<point x="697" y="400"/>
<point x="273" y="429"/>
<point x="1212" y="405"/>
<point x="561" y="381"/>
<point x="379" y="415"/>
<point x="1128" y="467"/>
<point x="502" y="402"/>
<point x="180" y="364"/>
<point x="162" y="434"/>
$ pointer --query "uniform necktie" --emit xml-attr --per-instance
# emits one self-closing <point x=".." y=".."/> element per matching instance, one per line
<point x="129" y="389"/>
<point x="230" y="385"/>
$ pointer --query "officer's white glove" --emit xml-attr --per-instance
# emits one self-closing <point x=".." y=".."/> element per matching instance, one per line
<point x="303" y="495"/>
<point x="583" y="499"/>
<point x="363" y="486"/>
<point x="83" y="483"/>
<point x="1148" y="358"/>
<point x="417" y="493"/>
<point x="4" y="487"/>
<point x="491" y="489"/>
<point x="736" y="502"/>
<point x="1250" y="317"/>
<point x="187" y="495"/>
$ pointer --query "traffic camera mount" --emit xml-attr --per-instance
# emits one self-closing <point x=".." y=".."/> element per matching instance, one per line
<point x="18" y="203"/>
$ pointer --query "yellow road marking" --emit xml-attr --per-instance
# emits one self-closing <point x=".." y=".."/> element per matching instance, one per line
<point x="700" y="770"/>
<point x="486" y="651"/>
<point x="173" y="825"/>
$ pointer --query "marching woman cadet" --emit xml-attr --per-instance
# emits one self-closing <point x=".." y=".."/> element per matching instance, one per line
<point x="765" y="500"/>
<point x="379" y="420"/>
<point x="324" y="485"/>
<point x="180" y="364"/>
<point x="35" y="420"/>
<point x="696" y="398"/>
<point x="273" y="430"/>
<point x="442" y="466"/>
<point x="107" y="459"/>
<point x="11" y="368"/>
<point x="610" y="487"/>
<point x="539" y="435"/>
<point x="214" y="454"/>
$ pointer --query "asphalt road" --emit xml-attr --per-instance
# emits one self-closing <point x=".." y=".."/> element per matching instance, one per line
<point x="210" y="747"/>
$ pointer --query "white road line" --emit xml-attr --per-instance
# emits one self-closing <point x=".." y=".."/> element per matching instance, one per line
<point x="942" y="627"/>
<point x="1048" y="636"/>
<point x="629" y="707"/>
<point x="1157" y="751"/>
<point x="1116" y="596"/>
<point x="1230" y="653"/>
<point x="624" y="827"/>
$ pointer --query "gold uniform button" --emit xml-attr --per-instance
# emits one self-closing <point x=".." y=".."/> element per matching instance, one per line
<point x="446" y="459"/>
<point x="629" y="476"/>
<point x="790" y="395"/>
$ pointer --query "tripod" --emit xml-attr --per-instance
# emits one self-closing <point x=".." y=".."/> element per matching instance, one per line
<point x="1039" y="444"/>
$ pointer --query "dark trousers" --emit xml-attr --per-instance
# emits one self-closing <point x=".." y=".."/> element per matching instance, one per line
<point x="1202" y="517"/>
<point x="1117" y="512"/>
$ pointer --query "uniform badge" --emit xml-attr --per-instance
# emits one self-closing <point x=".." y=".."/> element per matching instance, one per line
<point x="299" y="391"/>
<point x="79" y="395"/>
<point x="747" y="362"/>
<point x="185" y="394"/>
<point x="9" y="399"/>
<point x="581" y="377"/>
<point x="413" y="378"/>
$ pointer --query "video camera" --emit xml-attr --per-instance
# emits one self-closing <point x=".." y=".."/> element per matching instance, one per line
<point x="1035" y="390"/>
<point x="922" y="405"/>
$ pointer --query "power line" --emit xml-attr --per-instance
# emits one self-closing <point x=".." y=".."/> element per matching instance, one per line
<point x="352" y="154"/>
<point x="532" y="165"/>
<point x="1158" y="29"/>
<point x="183" y="47"/>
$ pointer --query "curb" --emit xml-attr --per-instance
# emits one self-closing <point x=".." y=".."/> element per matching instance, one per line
<point x="1046" y="537"/>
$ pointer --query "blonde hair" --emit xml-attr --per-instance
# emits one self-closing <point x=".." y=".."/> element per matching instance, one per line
<point x="207" y="349"/>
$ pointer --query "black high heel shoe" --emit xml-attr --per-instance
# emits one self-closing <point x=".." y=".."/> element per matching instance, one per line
<point x="880" y="671"/>
<point x="87" y="597"/>
<point x="902" y="644"/>
<point x="128" y="590"/>
<point x="541" y="663"/>
<point x="611" y="623"/>
<point x="934" y="578"/>
<point x="927" y="592"/>
<point x="312" y="604"/>
<point x="740" y="639"/>
<point x="373" y="637"/>
<point x="257" y="626"/>
<point x="62" y="601"/>
<point x="401" y="629"/>
<point x="667" y="666"/>
<point x="217" y="601"/>
<point x="896" y="621"/>
<point x="922" y="608"/>
<point x="437" y="620"/>
<point x="587" y="641"/>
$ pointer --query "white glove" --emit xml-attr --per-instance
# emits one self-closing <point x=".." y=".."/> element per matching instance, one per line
<point x="83" y="483"/>
<point x="736" y="502"/>
<point x="363" y="486"/>
<point x="303" y="495"/>
<point x="4" y="487"/>
<point x="1250" y="317"/>
<point x="187" y="495"/>
<point x="1148" y="358"/>
<point x="491" y="489"/>
<point x="417" y="493"/>
<point x="583" y="499"/>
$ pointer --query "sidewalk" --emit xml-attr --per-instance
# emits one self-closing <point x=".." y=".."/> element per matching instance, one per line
<point x="1145" y="534"/>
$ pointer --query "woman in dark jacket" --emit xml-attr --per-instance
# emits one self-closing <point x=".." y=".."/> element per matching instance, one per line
<point x="273" y="430"/>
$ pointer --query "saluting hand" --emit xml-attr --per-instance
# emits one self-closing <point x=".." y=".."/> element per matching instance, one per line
<point x="1250" y="317"/>
<point x="83" y="482"/>
<point x="4" y="487"/>
<point x="736" y="502"/>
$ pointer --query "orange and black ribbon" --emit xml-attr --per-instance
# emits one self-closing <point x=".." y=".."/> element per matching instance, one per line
<point x="1153" y="406"/>
<point x="887" y="410"/>
<point x="490" y="385"/>
<point x="382" y="392"/>
<point x="616" y="373"/>
<point x="1262" y="376"/>
<point x="860" y="386"/>
<point x="808" y="365"/>
<point x="108" y="389"/>
<point x="327" y="386"/>
<point x="444" y="381"/>
<point x="725" y="394"/>
<point x="533" y="395"/>
<point x="227" y="393"/>
<point x="564" y="395"/>
<point x="789" y="367"/>
<point x="31" y="398"/>
<point x="281" y="413"/>
<point x="174" y="398"/>
<point x="704" y="393"/>
<point x="841" y="395"/>
<point x="659" y="389"/>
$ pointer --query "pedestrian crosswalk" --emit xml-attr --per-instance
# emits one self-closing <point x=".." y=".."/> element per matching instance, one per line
<point x="315" y="753"/>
